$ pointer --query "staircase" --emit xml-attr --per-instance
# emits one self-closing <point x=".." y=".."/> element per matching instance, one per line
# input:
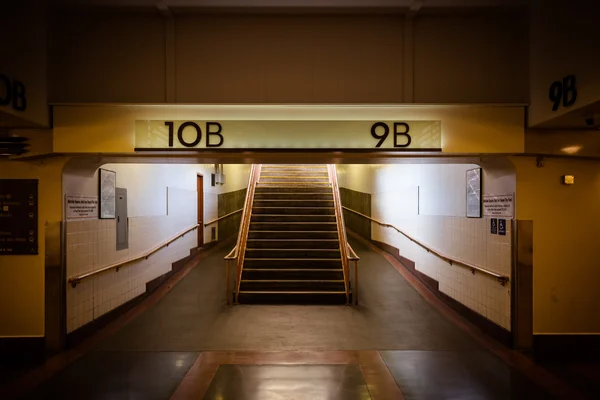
<point x="292" y="253"/>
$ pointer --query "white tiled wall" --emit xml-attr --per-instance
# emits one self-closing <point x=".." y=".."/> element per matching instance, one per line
<point x="428" y="203"/>
<point x="467" y="239"/>
<point x="162" y="201"/>
<point x="91" y="245"/>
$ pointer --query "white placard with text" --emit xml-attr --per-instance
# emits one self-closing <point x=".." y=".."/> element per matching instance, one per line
<point x="499" y="205"/>
<point x="82" y="207"/>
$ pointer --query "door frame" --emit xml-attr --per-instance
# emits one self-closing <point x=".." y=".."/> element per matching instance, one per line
<point x="200" y="208"/>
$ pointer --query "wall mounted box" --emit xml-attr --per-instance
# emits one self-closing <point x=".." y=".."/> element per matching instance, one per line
<point x="567" y="179"/>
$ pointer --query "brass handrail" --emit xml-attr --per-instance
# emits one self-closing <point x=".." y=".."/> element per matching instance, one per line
<point x="353" y="257"/>
<point x="237" y="253"/>
<point x="223" y="216"/>
<point x="74" y="280"/>
<point x="341" y="228"/>
<point x="352" y="254"/>
<point x="503" y="279"/>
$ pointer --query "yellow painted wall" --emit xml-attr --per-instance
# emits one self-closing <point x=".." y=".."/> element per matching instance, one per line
<point x="465" y="129"/>
<point x="22" y="277"/>
<point x="566" y="255"/>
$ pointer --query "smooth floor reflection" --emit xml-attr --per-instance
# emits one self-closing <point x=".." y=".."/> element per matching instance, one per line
<point x="119" y="375"/>
<point x="290" y="382"/>
<point x="433" y="375"/>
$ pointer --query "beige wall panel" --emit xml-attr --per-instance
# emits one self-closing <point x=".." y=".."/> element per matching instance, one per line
<point x="471" y="59"/>
<point x="107" y="58"/>
<point x="565" y="242"/>
<point x="288" y="59"/>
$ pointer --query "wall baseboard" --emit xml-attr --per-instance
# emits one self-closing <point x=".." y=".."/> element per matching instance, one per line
<point x="488" y="327"/>
<point x="83" y="332"/>
<point x="567" y="348"/>
<point x="22" y="350"/>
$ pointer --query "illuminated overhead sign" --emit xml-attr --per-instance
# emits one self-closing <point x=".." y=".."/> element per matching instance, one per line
<point x="284" y="135"/>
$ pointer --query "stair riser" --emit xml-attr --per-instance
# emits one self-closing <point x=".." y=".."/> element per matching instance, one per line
<point x="292" y="244"/>
<point x="293" y="264"/>
<point x="292" y="218"/>
<point x="287" y="275"/>
<point x="279" y="189"/>
<point x="292" y="235"/>
<point x="292" y="286"/>
<point x="294" y="178"/>
<point x="293" y="196"/>
<point x="294" y="210"/>
<point x="292" y="203"/>
<point x="329" y="299"/>
<point x="290" y="226"/>
<point x="267" y="169"/>
<point x="301" y="174"/>
<point x="281" y="253"/>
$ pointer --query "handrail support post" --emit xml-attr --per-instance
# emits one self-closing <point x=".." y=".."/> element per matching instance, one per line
<point x="227" y="281"/>
<point x="355" y="282"/>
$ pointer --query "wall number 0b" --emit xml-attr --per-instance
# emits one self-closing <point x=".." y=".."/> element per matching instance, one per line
<point x="564" y="92"/>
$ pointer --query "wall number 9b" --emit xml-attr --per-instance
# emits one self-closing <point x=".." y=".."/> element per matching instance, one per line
<point x="564" y="92"/>
<point x="381" y="130"/>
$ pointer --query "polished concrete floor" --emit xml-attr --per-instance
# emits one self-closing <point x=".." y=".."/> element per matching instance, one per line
<point x="301" y="382"/>
<point x="194" y="317"/>
<point x="191" y="345"/>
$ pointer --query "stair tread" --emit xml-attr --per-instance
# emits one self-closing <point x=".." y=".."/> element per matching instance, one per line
<point x="296" y="269"/>
<point x="287" y="222"/>
<point x="288" y="259"/>
<point x="267" y="248"/>
<point x="292" y="280"/>
<point x="293" y="292"/>
<point x="293" y="240"/>
<point x="250" y="231"/>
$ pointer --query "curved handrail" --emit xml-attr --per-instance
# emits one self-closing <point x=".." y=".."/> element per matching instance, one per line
<point x="351" y="253"/>
<point x="222" y="217"/>
<point x="232" y="255"/>
<point x="503" y="279"/>
<point x="341" y="227"/>
<point x="74" y="280"/>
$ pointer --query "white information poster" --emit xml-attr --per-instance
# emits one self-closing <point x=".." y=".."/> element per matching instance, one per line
<point x="82" y="207"/>
<point x="474" y="193"/>
<point x="499" y="205"/>
<point x="107" y="189"/>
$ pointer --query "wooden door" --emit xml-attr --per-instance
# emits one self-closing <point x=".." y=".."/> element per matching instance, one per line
<point x="200" y="189"/>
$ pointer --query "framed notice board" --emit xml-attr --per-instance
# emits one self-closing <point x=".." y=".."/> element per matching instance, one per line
<point x="18" y="216"/>
<point x="107" y="182"/>
<point x="474" y="193"/>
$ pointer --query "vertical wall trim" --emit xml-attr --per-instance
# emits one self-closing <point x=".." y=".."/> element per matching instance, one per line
<point x="408" y="60"/>
<point x="522" y="285"/>
<point x="170" y="59"/>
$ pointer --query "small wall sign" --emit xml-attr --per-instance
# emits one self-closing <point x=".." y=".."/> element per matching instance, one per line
<point x="82" y="207"/>
<point x="495" y="205"/>
<point x="12" y="92"/>
<point x="563" y="92"/>
<point x="494" y="226"/>
<point x="18" y="216"/>
<point x="502" y="227"/>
